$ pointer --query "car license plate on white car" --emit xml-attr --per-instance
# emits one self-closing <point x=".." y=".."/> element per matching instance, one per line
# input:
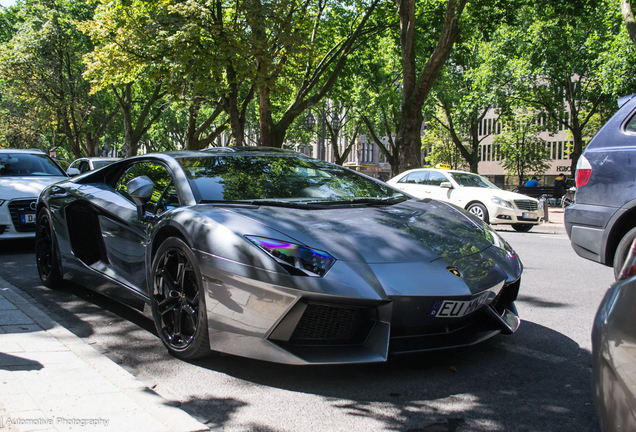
<point x="529" y="215"/>
<point x="455" y="308"/>
<point x="28" y="218"/>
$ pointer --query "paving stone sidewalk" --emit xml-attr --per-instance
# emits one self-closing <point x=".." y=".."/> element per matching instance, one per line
<point x="51" y="380"/>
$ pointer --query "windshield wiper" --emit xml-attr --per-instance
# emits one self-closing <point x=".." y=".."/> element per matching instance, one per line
<point x="258" y="203"/>
<point x="369" y="201"/>
<point x="308" y="203"/>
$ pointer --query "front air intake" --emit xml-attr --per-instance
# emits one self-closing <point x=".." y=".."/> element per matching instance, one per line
<point x="314" y="323"/>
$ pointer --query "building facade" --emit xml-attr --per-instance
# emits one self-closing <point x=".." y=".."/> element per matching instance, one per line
<point x="490" y="159"/>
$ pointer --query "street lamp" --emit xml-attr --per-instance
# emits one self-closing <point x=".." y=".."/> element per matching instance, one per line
<point x="326" y="114"/>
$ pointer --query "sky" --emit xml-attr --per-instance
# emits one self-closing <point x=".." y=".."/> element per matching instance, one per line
<point x="7" y="2"/>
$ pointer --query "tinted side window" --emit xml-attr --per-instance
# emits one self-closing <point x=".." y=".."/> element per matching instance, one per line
<point x="436" y="179"/>
<point x="163" y="189"/>
<point x="631" y="125"/>
<point x="418" y="177"/>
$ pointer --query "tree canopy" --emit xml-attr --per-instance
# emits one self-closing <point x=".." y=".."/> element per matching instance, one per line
<point x="168" y="74"/>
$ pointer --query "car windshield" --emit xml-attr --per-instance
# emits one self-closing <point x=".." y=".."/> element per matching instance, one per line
<point x="471" y="180"/>
<point x="280" y="178"/>
<point x="27" y="164"/>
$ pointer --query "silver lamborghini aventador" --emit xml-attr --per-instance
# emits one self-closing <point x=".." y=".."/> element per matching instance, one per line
<point x="272" y="255"/>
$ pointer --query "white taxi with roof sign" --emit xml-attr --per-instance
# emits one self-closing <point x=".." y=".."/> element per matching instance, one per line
<point x="473" y="193"/>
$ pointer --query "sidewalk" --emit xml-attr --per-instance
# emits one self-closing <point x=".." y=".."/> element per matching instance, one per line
<point x="51" y="380"/>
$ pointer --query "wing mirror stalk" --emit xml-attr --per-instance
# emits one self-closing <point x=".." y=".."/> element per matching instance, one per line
<point x="140" y="190"/>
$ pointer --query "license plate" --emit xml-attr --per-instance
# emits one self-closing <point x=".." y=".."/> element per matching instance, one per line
<point x="530" y="215"/>
<point x="28" y="218"/>
<point x="455" y="308"/>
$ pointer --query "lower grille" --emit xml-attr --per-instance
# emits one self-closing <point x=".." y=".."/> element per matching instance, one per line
<point x="323" y="323"/>
<point x="527" y="205"/>
<point x="3" y="228"/>
<point x="19" y="207"/>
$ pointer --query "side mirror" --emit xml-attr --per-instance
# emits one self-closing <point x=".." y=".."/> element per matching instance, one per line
<point x="140" y="190"/>
<point x="73" y="172"/>
<point x="446" y="185"/>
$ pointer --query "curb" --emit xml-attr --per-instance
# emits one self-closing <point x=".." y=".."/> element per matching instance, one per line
<point x="144" y="402"/>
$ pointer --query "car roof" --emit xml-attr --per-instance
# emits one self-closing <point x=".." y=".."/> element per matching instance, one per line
<point x="27" y="151"/>
<point x="440" y="170"/>
<point x="99" y="158"/>
<point x="250" y="150"/>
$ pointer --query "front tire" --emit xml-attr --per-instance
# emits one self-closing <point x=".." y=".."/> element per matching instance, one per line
<point x="480" y="211"/>
<point x="46" y="252"/>
<point x="522" y="227"/>
<point x="622" y="250"/>
<point x="178" y="300"/>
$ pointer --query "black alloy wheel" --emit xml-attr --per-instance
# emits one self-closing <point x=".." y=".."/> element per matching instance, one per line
<point x="522" y="227"/>
<point x="178" y="303"/>
<point x="46" y="251"/>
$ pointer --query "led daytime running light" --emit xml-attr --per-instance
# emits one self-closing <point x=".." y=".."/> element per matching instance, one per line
<point x="303" y="260"/>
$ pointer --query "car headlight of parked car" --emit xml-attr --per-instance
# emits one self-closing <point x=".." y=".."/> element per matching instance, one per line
<point x="502" y="202"/>
<point x="296" y="259"/>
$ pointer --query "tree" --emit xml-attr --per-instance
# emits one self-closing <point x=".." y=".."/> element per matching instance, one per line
<point x="417" y="85"/>
<point x="440" y="148"/>
<point x="42" y="65"/>
<point x="628" y="17"/>
<point x="519" y="145"/>
<point x="560" y="53"/>
<point x="134" y="130"/>
<point x="336" y="32"/>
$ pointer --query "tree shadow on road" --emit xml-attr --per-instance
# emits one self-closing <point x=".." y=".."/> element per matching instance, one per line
<point x="537" y="379"/>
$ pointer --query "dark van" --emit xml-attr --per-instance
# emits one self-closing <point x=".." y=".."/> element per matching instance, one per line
<point x="602" y="223"/>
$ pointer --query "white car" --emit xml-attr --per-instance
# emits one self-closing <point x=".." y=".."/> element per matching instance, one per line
<point x="82" y="165"/>
<point x="471" y="192"/>
<point x="23" y="175"/>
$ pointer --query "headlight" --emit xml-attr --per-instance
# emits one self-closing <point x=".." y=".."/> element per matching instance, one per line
<point x="498" y="241"/>
<point x="2" y="202"/>
<point x="502" y="202"/>
<point x="296" y="259"/>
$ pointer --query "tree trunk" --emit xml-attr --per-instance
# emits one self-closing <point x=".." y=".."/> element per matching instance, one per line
<point x="134" y="131"/>
<point x="628" y="17"/>
<point x="265" y="116"/>
<point x="416" y="88"/>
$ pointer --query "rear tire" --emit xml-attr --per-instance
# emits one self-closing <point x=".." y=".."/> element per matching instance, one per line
<point x="480" y="211"/>
<point x="522" y="227"/>
<point x="178" y="301"/>
<point x="622" y="250"/>
<point x="46" y="251"/>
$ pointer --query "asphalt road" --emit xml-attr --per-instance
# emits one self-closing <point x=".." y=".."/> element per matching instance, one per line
<point x="538" y="379"/>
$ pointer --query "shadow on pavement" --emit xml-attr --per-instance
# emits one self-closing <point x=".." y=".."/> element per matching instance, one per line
<point x="535" y="380"/>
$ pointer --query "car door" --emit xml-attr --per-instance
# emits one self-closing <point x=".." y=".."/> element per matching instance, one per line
<point x="433" y="186"/>
<point x="413" y="183"/>
<point x="125" y="235"/>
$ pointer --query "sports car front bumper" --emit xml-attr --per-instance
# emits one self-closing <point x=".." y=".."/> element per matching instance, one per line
<point x="261" y="317"/>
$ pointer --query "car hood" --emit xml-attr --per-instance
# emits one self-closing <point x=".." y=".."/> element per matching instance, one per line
<point x="412" y="231"/>
<point x="507" y="195"/>
<point x="25" y="187"/>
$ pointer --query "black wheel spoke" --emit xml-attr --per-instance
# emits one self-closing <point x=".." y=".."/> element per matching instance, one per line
<point x="177" y="320"/>
<point x="168" y="305"/>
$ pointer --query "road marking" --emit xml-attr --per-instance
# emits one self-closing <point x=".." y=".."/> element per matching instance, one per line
<point x="535" y="354"/>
